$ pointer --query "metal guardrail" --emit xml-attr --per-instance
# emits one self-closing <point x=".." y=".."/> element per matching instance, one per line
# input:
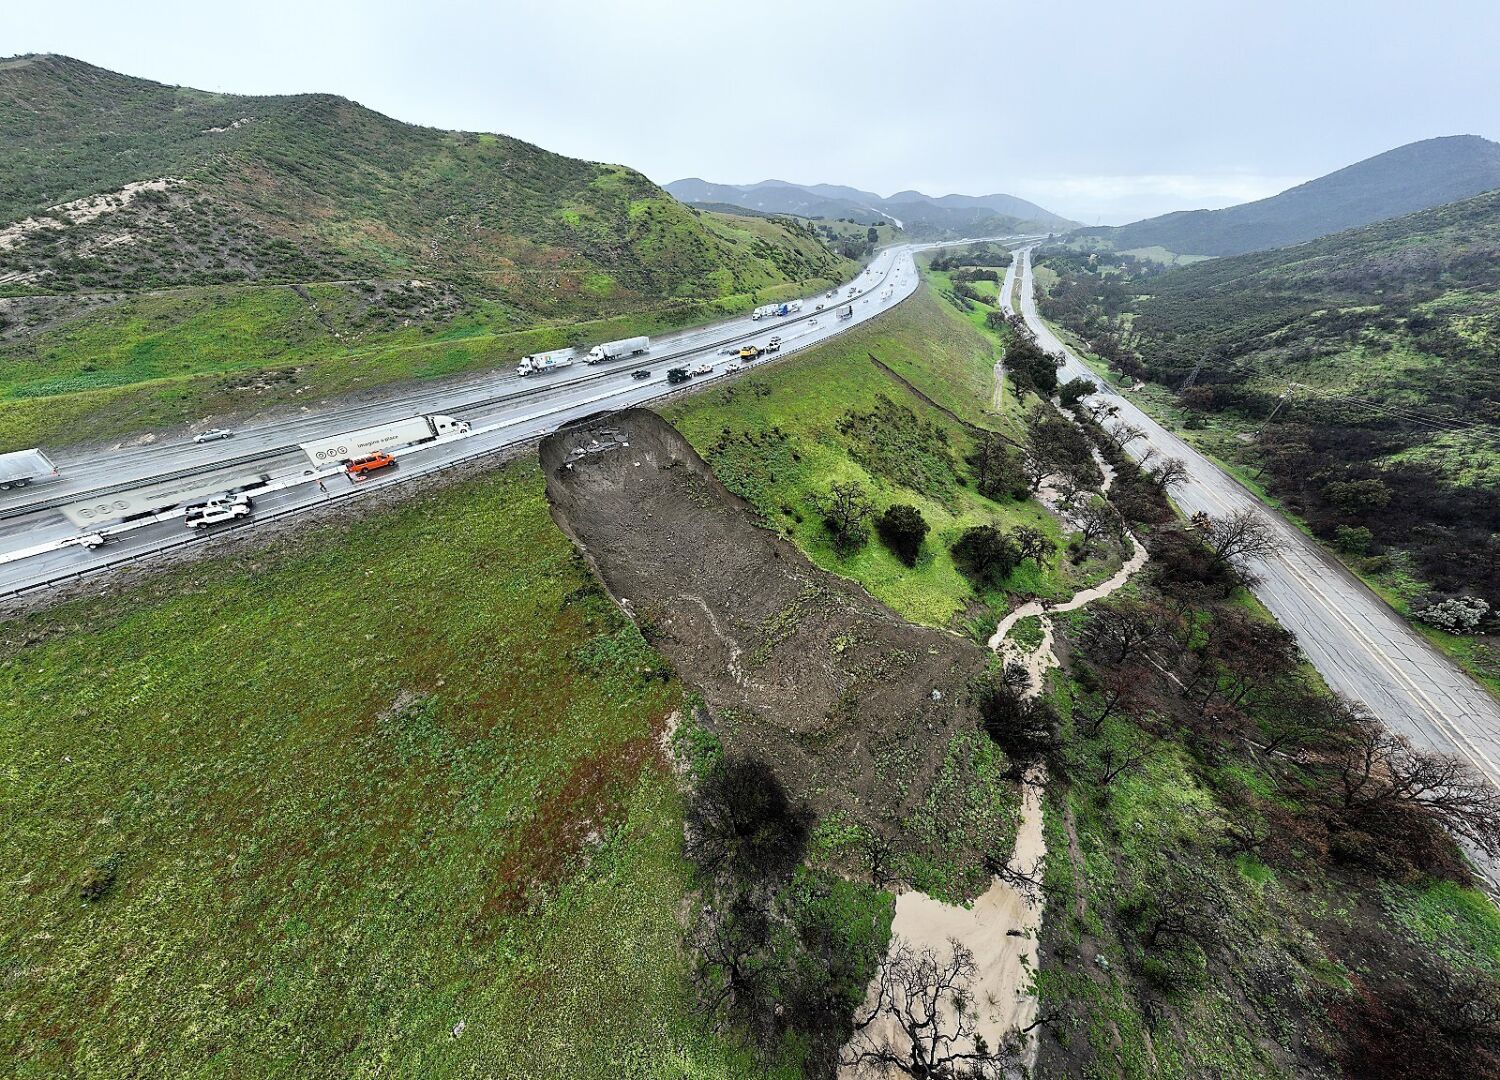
<point x="521" y="394"/>
<point x="234" y="527"/>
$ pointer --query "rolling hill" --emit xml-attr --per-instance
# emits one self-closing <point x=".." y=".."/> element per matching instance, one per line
<point x="1400" y="181"/>
<point x="130" y="209"/>
<point x="921" y="215"/>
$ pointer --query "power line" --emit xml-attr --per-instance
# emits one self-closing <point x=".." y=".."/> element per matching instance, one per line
<point x="1449" y="423"/>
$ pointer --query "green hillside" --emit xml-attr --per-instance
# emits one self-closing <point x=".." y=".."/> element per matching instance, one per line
<point x="117" y="191"/>
<point x="1385" y="341"/>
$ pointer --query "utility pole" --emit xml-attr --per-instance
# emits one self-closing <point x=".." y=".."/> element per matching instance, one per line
<point x="1193" y="375"/>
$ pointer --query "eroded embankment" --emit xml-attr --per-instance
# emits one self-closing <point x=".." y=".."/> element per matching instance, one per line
<point x="859" y="713"/>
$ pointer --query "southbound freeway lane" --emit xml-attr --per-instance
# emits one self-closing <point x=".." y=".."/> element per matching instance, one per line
<point x="38" y="544"/>
<point x="1359" y="645"/>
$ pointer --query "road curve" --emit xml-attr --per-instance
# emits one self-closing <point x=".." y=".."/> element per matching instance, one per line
<point x="1362" y="648"/>
<point x="37" y="544"/>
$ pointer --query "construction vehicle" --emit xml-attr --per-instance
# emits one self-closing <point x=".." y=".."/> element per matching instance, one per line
<point x="360" y="468"/>
<point x="749" y="352"/>
<point x="25" y="467"/>
<point x="384" y="437"/>
<point x="678" y="375"/>
<point x="618" y="350"/>
<point x="537" y="363"/>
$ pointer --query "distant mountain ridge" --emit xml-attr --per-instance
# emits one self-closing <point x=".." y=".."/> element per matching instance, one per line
<point x="922" y="214"/>
<point x="1410" y="178"/>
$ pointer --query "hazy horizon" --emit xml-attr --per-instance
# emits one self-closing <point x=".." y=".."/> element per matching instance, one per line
<point x="1098" y="113"/>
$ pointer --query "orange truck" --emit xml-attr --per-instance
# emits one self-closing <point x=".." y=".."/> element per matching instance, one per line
<point x="359" y="468"/>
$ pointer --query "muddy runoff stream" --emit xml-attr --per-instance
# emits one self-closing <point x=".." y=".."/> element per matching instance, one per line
<point x="1001" y="927"/>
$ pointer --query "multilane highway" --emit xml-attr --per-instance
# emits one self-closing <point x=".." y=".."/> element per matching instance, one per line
<point x="1360" y="646"/>
<point x="38" y="544"/>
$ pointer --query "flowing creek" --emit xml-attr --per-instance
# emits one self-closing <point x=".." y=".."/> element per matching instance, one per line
<point x="1001" y="927"/>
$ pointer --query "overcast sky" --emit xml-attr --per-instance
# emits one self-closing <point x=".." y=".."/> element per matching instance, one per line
<point x="1103" y="110"/>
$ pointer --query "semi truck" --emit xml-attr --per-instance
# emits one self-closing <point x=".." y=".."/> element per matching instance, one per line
<point x="546" y="361"/>
<point x="619" y="350"/>
<point x="25" y="467"/>
<point x="152" y="498"/>
<point x="764" y="312"/>
<point x="362" y="443"/>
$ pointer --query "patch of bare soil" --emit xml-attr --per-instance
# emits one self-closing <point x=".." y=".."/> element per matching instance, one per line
<point x="799" y="668"/>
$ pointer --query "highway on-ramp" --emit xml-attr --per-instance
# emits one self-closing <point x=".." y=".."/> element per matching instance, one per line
<point x="1362" y="648"/>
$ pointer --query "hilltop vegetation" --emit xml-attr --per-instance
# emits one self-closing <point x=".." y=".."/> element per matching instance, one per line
<point x="117" y="190"/>
<point x="1409" y="178"/>
<point x="1385" y="342"/>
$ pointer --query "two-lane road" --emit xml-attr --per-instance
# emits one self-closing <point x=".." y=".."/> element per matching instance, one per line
<point x="1362" y="648"/>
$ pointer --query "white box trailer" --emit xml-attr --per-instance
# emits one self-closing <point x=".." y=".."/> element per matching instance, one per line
<point x="349" y="445"/>
<point x="121" y="505"/>
<point x="26" y="467"/>
<point x="546" y="361"/>
<point x="764" y="312"/>
<point x="618" y="350"/>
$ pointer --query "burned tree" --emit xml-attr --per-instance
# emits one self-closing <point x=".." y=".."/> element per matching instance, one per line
<point x="920" y="1019"/>
<point x="1238" y="539"/>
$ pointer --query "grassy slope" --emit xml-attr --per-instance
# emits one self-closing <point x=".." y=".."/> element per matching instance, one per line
<point x="311" y="882"/>
<point x="805" y="397"/>
<point x="230" y="748"/>
<point x="510" y="242"/>
<point x="161" y="361"/>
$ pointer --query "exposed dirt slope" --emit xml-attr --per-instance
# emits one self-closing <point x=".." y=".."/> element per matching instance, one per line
<point x="855" y="709"/>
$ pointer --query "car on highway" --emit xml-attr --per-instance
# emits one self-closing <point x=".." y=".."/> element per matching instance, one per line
<point x="217" y="510"/>
<point x="640" y="373"/>
<point x="774" y="345"/>
<point x="818" y="308"/>
<point x="360" y="468"/>
<point x="213" y="435"/>
<point x="706" y="369"/>
<point x="91" y="541"/>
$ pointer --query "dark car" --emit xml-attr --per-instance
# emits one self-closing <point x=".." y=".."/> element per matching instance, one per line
<point x="640" y="373"/>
